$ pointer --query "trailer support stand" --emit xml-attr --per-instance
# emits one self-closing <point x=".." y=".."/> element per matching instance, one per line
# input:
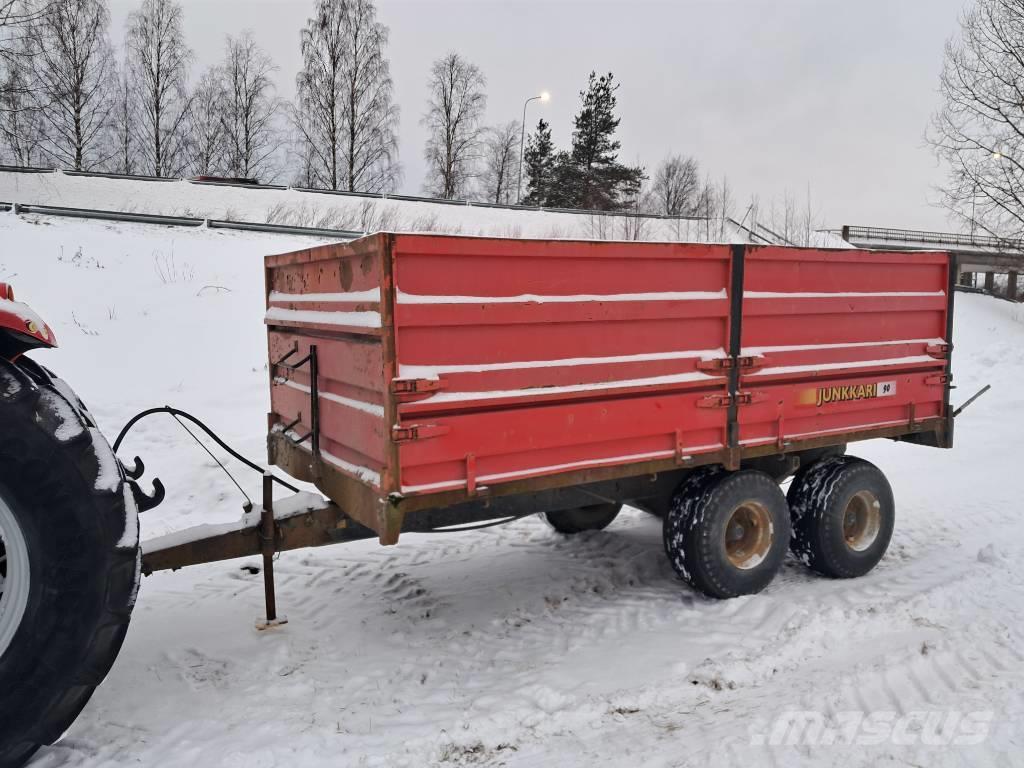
<point x="268" y="534"/>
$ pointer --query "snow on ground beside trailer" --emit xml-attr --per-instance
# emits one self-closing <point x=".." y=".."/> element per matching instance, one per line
<point x="350" y="212"/>
<point x="515" y="646"/>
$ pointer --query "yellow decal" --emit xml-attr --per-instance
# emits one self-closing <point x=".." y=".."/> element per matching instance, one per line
<point x="846" y="393"/>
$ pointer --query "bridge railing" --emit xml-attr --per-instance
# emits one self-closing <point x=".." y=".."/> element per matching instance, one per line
<point x="945" y="239"/>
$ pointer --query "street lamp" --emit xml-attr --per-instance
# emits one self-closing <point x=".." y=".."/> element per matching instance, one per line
<point x="543" y="96"/>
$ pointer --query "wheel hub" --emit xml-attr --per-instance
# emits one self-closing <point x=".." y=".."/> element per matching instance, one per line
<point x="748" y="535"/>
<point x="862" y="521"/>
<point x="14" y="575"/>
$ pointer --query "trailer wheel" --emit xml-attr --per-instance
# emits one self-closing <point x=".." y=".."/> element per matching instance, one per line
<point x="843" y="516"/>
<point x="69" y="561"/>
<point x="727" y="532"/>
<point x="593" y="517"/>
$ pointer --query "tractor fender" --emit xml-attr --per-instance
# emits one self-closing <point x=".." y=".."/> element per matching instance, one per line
<point x="22" y="328"/>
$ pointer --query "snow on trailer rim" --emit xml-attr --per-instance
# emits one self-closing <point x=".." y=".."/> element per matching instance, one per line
<point x="651" y="381"/>
<point x="530" y="298"/>
<point x="424" y="371"/>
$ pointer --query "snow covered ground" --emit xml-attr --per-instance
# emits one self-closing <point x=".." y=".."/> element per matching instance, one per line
<point x="354" y="213"/>
<point x="333" y="211"/>
<point x="514" y="646"/>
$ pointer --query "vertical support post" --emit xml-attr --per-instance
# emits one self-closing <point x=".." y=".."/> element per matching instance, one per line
<point x="314" y="404"/>
<point x="1011" y="285"/>
<point x="267" y="535"/>
<point x="990" y="282"/>
<point x="736" y="283"/>
<point x="967" y="279"/>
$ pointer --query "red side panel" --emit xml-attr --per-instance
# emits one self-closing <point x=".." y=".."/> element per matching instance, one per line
<point x="331" y="297"/>
<point x="536" y="357"/>
<point x="841" y="341"/>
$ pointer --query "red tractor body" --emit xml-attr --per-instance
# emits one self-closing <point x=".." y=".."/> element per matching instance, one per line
<point x="21" y="328"/>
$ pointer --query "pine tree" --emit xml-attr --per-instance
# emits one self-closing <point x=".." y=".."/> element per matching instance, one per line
<point x="539" y="165"/>
<point x="600" y="182"/>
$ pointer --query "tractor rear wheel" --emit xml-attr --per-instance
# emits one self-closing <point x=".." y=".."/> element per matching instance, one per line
<point x="69" y="559"/>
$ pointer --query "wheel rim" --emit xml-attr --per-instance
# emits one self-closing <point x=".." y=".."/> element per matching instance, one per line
<point x="14" y="575"/>
<point x="748" y="535"/>
<point x="862" y="521"/>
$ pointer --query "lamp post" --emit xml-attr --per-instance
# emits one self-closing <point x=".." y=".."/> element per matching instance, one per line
<point x="544" y="96"/>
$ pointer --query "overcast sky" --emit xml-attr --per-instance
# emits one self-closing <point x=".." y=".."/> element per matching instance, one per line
<point x="775" y="95"/>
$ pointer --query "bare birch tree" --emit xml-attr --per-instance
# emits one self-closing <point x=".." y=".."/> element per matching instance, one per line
<point x="123" y="151"/>
<point x="250" y="108"/>
<point x="785" y="221"/>
<point x="454" y="110"/>
<point x="159" y="61"/>
<point x="979" y="132"/>
<point x="207" y="133"/>
<point x="73" y="68"/>
<point x="302" y="156"/>
<point x="501" y="163"/>
<point x="21" y="130"/>
<point x="17" y="18"/>
<point x="676" y="189"/>
<point x="345" y="111"/>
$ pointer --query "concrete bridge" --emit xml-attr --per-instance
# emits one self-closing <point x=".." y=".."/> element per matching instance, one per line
<point x="976" y="254"/>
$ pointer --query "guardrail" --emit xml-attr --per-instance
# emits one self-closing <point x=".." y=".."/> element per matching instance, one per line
<point x="177" y="221"/>
<point x="885" y="234"/>
<point x="365" y="195"/>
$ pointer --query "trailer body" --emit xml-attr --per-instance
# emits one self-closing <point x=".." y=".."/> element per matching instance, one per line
<point x="417" y="373"/>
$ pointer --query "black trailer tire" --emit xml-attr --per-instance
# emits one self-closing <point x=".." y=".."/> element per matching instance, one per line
<point x="727" y="532"/>
<point x="843" y="515"/>
<point x="593" y="517"/>
<point x="69" y="527"/>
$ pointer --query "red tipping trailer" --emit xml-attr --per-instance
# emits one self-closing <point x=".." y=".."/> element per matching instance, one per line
<point x="414" y="376"/>
<point x="424" y="382"/>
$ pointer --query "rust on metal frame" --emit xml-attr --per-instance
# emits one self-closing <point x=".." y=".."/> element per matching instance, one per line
<point x="315" y="528"/>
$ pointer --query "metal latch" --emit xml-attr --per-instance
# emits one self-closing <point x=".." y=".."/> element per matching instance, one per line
<point x="938" y="379"/>
<point x="418" y="432"/>
<point x="407" y="389"/>
<point x="745" y="363"/>
<point x="725" y="401"/>
<point x="715" y="401"/>
<point x="939" y="351"/>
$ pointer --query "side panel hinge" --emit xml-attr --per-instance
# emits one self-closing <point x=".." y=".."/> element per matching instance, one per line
<point x="939" y="351"/>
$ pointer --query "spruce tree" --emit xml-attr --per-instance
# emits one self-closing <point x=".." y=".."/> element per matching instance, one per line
<point x="539" y="165"/>
<point x="598" y="180"/>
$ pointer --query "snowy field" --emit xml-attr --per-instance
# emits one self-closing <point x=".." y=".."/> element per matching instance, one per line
<point x="330" y="211"/>
<point x="514" y="646"/>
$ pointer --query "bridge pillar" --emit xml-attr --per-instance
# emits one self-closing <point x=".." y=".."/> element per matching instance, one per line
<point x="990" y="282"/>
<point x="967" y="278"/>
<point x="1011" y="286"/>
